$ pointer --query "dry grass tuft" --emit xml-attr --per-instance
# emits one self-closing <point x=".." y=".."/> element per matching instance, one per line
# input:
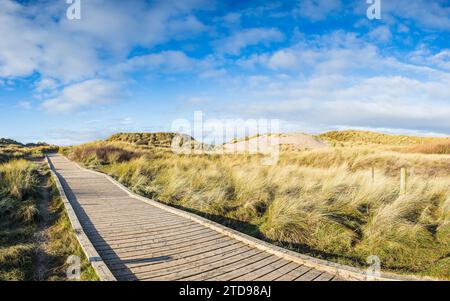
<point x="440" y="148"/>
<point x="18" y="213"/>
<point x="353" y="137"/>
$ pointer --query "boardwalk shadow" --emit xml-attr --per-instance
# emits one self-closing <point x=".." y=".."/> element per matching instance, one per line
<point x="235" y="224"/>
<point x="93" y="234"/>
<point x="253" y="230"/>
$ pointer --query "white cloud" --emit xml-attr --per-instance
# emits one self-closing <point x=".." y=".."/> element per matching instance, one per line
<point x="234" y="43"/>
<point x="441" y="59"/>
<point x="46" y="84"/>
<point x="383" y="101"/>
<point x="341" y="79"/>
<point x="381" y="34"/>
<point x="424" y="56"/>
<point x="84" y="94"/>
<point x="428" y="14"/>
<point x="340" y="53"/>
<point x="26" y="105"/>
<point x="213" y="73"/>
<point x="317" y="10"/>
<point x="232" y="20"/>
<point x="168" y="61"/>
<point x="37" y="38"/>
<point x="171" y="62"/>
<point x="282" y="59"/>
<point x="142" y="23"/>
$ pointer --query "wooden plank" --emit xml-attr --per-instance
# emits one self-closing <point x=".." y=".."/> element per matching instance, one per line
<point x="311" y="275"/>
<point x="129" y="239"/>
<point x="237" y="272"/>
<point x="292" y="275"/>
<point x="204" y="263"/>
<point x="136" y="216"/>
<point x="120" y="228"/>
<point x="256" y="273"/>
<point x="202" y="269"/>
<point x="139" y="234"/>
<point x="92" y="224"/>
<point x="324" y="277"/>
<point x="116" y="230"/>
<point x="213" y="275"/>
<point x="122" y="224"/>
<point x="278" y="272"/>
<point x="135" y="259"/>
<point x="206" y="243"/>
<point x="180" y="263"/>
<point x="154" y="245"/>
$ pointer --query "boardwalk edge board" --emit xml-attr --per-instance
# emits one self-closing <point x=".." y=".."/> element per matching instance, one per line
<point x="94" y="258"/>
<point x="342" y="271"/>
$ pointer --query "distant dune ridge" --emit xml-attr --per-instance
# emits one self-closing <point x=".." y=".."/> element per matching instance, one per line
<point x="253" y="144"/>
<point x="5" y="141"/>
<point x="287" y="141"/>
<point x="10" y="142"/>
<point x="299" y="140"/>
<point x="161" y="139"/>
<point x="264" y="143"/>
<point x="367" y="137"/>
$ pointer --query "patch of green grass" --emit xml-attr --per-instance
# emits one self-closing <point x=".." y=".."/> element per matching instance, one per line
<point x="16" y="262"/>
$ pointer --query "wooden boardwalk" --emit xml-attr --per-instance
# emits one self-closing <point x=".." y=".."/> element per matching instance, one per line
<point x="138" y="241"/>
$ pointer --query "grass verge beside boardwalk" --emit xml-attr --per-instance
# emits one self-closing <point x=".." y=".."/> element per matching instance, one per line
<point x="63" y="243"/>
<point x="30" y="205"/>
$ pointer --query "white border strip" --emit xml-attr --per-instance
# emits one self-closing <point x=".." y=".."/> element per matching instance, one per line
<point x="341" y="271"/>
<point x="94" y="258"/>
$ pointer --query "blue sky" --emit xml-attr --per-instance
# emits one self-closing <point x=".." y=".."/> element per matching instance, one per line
<point x="136" y="65"/>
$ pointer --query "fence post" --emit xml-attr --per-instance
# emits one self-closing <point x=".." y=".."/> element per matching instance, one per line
<point x="403" y="180"/>
<point x="373" y="174"/>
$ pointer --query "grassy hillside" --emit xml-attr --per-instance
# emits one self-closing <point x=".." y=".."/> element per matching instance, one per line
<point x="6" y="142"/>
<point x="10" y="149"/>
<point x="150" y="139"/>
<point x="322" y="202"/>
<point x="366" y="137"/>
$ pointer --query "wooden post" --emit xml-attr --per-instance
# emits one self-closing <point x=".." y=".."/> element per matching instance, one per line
<point x="373" y="174"/>
<point x="403" y="180"/>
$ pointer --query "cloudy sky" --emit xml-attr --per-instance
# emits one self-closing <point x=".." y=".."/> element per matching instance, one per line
<point x="139" y="65"/>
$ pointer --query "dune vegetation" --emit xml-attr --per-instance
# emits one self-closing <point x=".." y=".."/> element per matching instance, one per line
<point x="10" y="149"/>
<point x="18" y="216"/>
<point x="26" y="190"/>
<point x="365" y="137"/>
<point x="340" y="203"/>
<point x="431" y="148"/>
